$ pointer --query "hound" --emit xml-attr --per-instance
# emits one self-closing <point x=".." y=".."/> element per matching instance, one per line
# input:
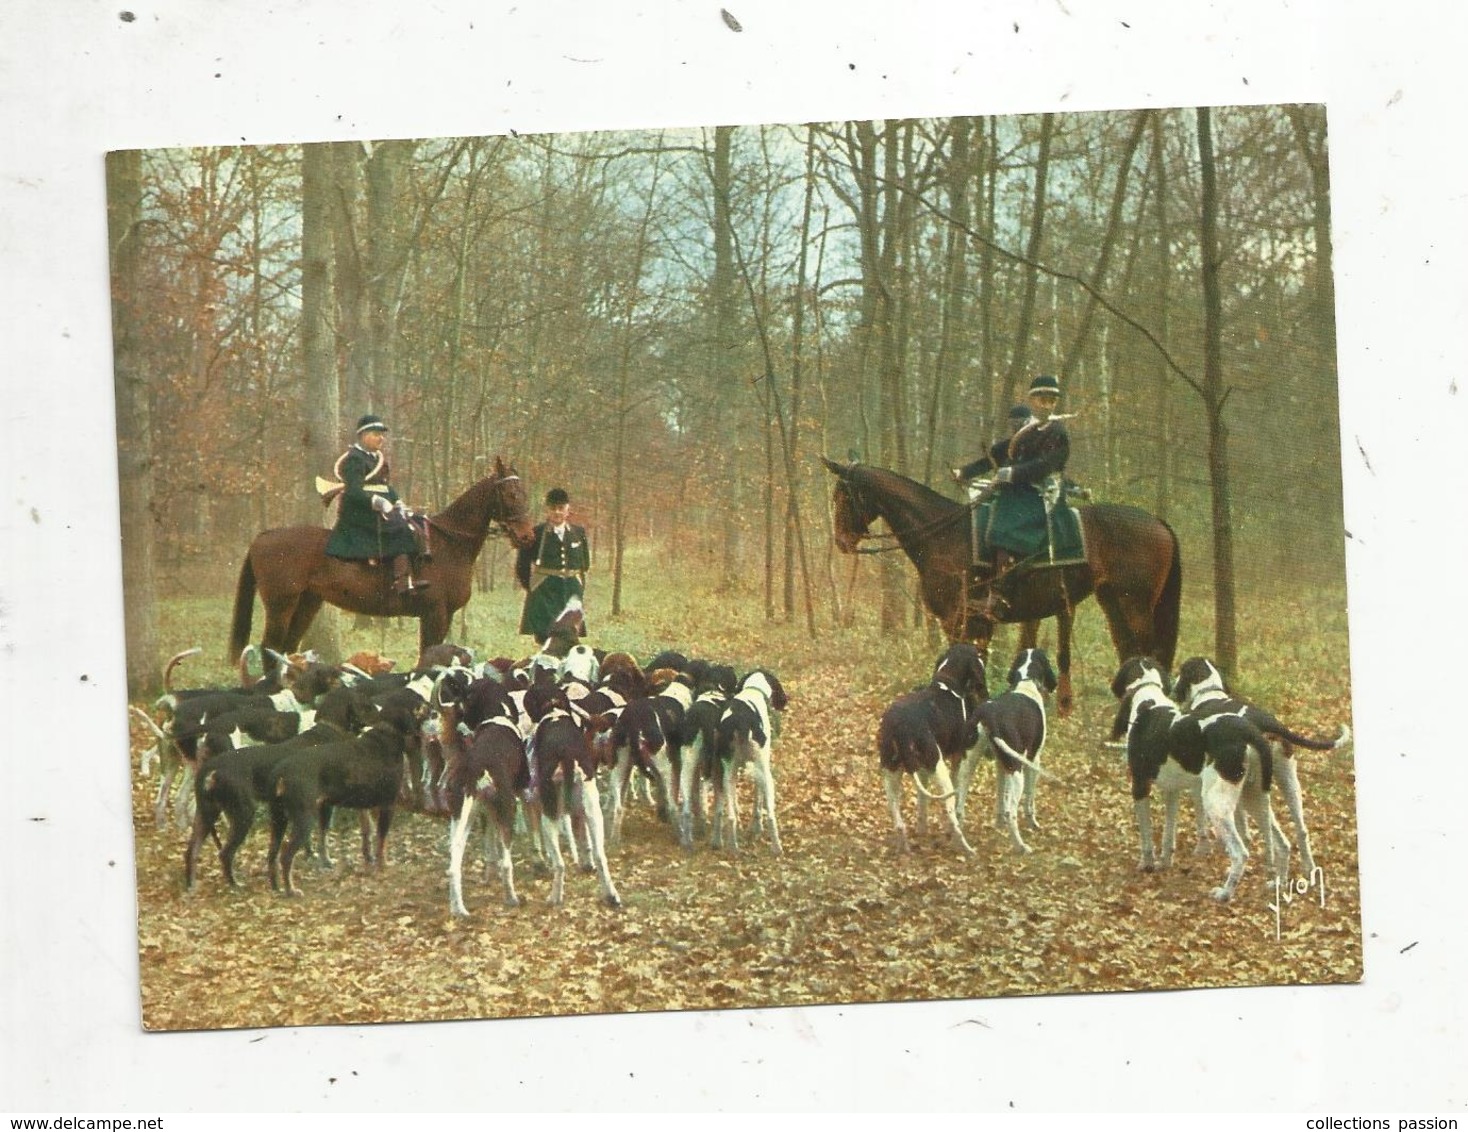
<point x="743" y="738"/>
<point x="1012" y="730"/>
<point x="927" y="733"/>
<point x="1200" y="689"/>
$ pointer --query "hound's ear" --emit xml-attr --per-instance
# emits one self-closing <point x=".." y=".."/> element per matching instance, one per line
<point x="779" y="701"/>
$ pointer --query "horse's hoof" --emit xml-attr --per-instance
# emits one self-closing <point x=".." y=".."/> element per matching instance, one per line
<point x="612" y="900"/>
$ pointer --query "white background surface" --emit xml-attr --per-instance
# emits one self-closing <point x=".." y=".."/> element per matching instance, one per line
<point x="76" y="80"/>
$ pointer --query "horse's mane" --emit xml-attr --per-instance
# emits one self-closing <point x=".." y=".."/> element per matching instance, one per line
<point x="468" y="515"/>
<point x="896" y="482"/>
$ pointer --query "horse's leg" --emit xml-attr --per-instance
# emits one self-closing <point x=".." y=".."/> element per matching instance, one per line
<point x="306" y="608"/>
<point x="1128" y="619"/>
<point x="1064" y="696"/>
<point x="433" y="627"/>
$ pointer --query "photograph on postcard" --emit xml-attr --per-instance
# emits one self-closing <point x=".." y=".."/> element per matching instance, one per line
<point x="758" y="565"/>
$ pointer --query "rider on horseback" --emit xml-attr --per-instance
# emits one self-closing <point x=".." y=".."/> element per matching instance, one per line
<point x="372" y="522"/>
<point x="1028" y="483"/>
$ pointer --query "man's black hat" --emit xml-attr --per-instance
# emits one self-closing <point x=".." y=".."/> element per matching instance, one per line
<point x="371" y="423"/>
<point x="1019" y="413"/>
<point x="557" y="497"/>
<point x="1045" y="384"/>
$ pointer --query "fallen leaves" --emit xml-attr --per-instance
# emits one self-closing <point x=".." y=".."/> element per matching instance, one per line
<point x="839" y="917"/>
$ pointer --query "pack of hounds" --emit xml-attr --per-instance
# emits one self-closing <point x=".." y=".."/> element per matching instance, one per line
<point x="551" y="746"/>
<point x="1195" y="738"/>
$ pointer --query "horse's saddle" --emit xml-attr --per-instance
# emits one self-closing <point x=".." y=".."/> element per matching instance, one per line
<point x="1036" y="526"/>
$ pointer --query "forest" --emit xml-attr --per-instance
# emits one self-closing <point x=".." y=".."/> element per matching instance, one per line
<point x="676" y="326"/>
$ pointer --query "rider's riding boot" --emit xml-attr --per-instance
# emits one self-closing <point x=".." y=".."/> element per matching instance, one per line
<point x="402" y="580"/>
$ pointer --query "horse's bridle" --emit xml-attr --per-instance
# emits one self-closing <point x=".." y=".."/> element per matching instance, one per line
<point x="928" y="528"/>
<point x="494" y="526"/>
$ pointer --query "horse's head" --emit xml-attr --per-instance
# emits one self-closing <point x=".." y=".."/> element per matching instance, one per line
<point x="509" y="503"/>
<point x="852" y="516"/>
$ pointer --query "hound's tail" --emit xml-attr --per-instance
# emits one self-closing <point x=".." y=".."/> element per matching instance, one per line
<point x="1295" y="739"/>
<point x="244" y="609"/>
<point x="918" y="782"/>
<point x="173" y="663"/>
<point x="1010" y="752"/>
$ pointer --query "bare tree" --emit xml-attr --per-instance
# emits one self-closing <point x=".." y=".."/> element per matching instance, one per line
<point x="134" y="426"/>
<point x="1215" y="396"/>
<point x="319" y="432"/>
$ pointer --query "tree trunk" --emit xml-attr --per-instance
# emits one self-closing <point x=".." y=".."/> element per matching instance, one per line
<point x="1313" y="149"/>
<point x="1215" y="396"/>
<point x="134" y="427"/>
<point x="319" y="439"/>
<point x="386" y="266"/>
<point x="728" y="407"/>
<point x="1163" y="455"/>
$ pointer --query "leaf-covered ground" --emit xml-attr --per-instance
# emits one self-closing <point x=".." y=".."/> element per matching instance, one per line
<point x="840" y="917"/>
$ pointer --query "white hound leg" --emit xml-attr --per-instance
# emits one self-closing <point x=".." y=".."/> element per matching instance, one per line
<point x="943" y="782"/>
<point x="892" y="784"/>
<point x="1011" y="786"/>
<point x="591" y="808"/>
<point x="764" y="781"/>
<point x="726" y="809"/>
<point x="689" y="790"/>
<point x="1172" y="798"/>
<point x="1204" y="844"/>
<point x="616" y="795"/>
<point x="1287" y="774"/>
<point x="506" y="865"/>
<point x="1221" y="800"/>
<point x="967" y="767"/>
<point x="458" y="837"/>
<point x="550" y="839"/>
<point x="183" y="801"/>
<point x="1142" y="809"/>
<point x="662" y="765"/>
<point x="1031" y="779"/>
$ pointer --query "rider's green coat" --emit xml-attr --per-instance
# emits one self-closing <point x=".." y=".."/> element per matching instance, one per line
<point x="360" y="531"/>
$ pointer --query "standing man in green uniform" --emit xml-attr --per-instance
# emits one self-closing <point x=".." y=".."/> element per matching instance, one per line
<point x="552" y="568"/>
<point x="372" y="523"/>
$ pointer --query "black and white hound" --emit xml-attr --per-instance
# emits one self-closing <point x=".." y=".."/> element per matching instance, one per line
<point x="1226" y="754"/>
<point x="927" y="733"/>
<point x="743" y="739"/>
<point x="1201" y="690"/>
<point x="699" y="740"/>
<point x="1011" y="728"/>
<point x="563" y="777"/>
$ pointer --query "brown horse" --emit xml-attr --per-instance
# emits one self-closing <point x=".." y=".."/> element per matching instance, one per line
<point x="291" y="569"/>
<point x="1133" y="566"/>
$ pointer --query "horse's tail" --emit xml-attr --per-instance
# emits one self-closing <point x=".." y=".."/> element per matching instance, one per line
<point x="1167" y="613"/>
<point x="244" y="608"/>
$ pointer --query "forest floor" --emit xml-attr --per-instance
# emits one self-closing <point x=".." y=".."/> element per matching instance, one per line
<point x="840" y="917"/>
